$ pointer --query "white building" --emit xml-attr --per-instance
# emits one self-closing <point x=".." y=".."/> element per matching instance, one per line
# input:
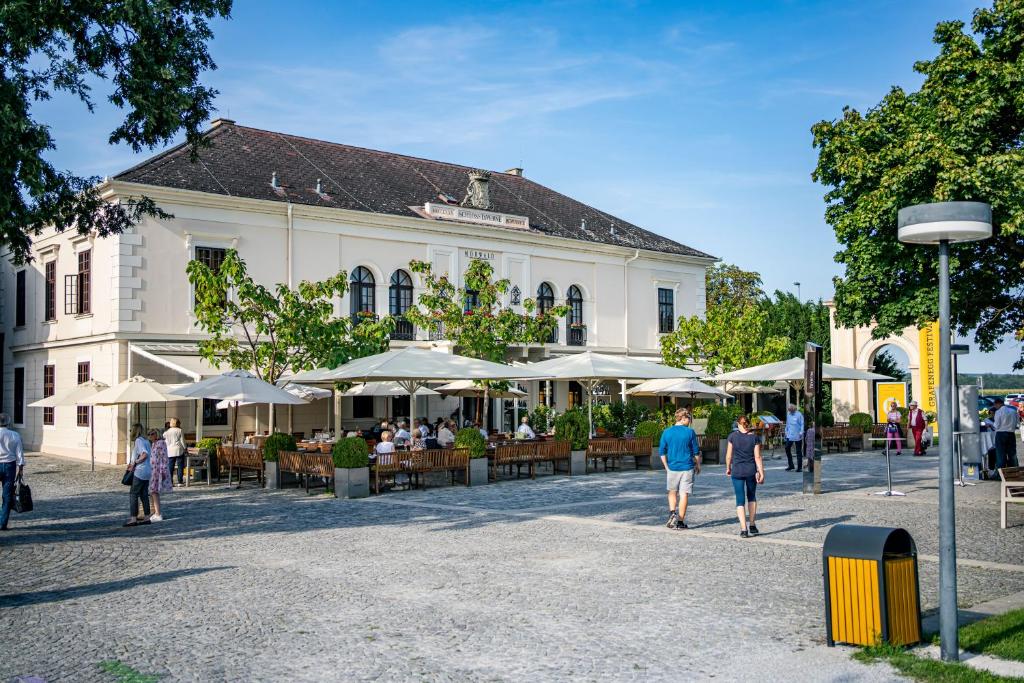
<point x="295" y="208"/>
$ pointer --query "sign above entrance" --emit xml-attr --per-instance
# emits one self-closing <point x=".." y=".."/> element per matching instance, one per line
<point x="447" y="212"/>
<point x="477" y="255"/>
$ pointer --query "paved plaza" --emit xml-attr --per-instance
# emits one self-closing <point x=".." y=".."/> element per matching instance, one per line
<point x="554" y="579"/>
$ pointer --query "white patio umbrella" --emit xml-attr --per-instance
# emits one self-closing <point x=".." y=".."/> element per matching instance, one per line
<point x="239" y="386"/>
<point x="303" y="391"/>
<point x="465" y="388"/>
<point x="75" y="397"/>
<point x="137" y="389"/>
<point x="386" y="389"/>
<point x="749" y="389"/>
<point x="683" y="388"/>
<point x="590" y="369"/>
<point x="413" y="367"/>
<point x="792" y="370"/>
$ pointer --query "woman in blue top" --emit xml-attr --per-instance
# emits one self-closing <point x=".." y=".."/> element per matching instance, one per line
<point x="743" y="463"/>
<point x="141" y="468"/>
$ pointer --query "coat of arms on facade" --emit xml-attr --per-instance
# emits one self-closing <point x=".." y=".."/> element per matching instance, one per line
<point x="478" y="193"/>
<point x="517" y="296"/>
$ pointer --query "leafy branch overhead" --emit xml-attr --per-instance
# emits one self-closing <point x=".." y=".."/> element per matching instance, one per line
<point x="152" y="53"/>
<point x="956" y="138"/>
<point x="280" y="330"/>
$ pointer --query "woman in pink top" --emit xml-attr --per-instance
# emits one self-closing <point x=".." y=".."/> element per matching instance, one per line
<point x="892" y="429"/>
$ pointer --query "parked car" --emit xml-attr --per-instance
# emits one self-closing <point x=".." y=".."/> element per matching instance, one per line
<point x="1015" y="400"/>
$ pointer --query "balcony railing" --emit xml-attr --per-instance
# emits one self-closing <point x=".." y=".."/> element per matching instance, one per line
<point x="363" y="316"/>
<point x="577" y="335"/>
<point x="404" y="330"/>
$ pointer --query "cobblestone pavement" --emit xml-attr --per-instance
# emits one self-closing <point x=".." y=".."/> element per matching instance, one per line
<point x="554" y="579"/>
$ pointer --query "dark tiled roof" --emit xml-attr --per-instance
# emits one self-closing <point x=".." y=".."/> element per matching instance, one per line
<point x="240" y="160"/>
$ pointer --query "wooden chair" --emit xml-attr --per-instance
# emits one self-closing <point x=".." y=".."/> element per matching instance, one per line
<point x="1011" y="490"/>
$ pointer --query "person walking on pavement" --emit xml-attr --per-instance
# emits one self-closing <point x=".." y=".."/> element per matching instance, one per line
<point x="794" y="437"/>
<point x="12" y="465"/>
<point x="1006" y="422"/>
<point x="141" y="469"/>
<point x="680" y="456"/>
<point x="892" y="429"/>
<point x="743" y="463"/>
<point x="177" y="450"/>
<point x="916" y="422"/>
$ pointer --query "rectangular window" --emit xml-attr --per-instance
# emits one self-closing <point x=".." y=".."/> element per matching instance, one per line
<point x="84" y="375"/>
<point x="71" y="294"/>
<point x="85" y="281"/>
<point x="212" y="417"/>
<point x="471" y="301"/>
<point x="19" y="396"/>
<point x="48" y="389"/>
<point x="50" y="299"/>
<point x="362" y="407"/>
<point x="19" y="299"/>
<point x="212" y="258"/>
<point x="666" y="310"/>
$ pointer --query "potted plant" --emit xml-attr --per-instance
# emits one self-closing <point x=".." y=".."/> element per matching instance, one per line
<point x="573" y="426"/>
<point x="208" y="447"/>
<point x="351" y="468"/>
<point x="864" y="421"/>
<point x="275" y="443"/>
<point x="650" y="429"/>
<point x="472" y="439"/>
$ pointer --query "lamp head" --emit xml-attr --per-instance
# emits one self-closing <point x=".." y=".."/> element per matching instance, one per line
<point x="949" y="221"/>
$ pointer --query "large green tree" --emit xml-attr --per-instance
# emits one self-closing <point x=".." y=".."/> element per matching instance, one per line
<point x="152" y="53"/>
<point x="800" y="322"/>
<point x="959" y="137"/>
<point x="273" y="331"/>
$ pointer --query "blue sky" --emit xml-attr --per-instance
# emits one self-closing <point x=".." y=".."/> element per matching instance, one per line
<point x="691" y="119"/>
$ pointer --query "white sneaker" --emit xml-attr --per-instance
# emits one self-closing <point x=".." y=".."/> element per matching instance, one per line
<point x="156" y="518"/>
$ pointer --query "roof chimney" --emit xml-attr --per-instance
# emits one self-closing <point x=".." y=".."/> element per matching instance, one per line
<point x="514" y="171"/>
<point x="221" y="121"/>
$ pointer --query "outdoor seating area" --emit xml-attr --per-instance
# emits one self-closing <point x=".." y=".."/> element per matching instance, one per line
<point x="529" y="454"/>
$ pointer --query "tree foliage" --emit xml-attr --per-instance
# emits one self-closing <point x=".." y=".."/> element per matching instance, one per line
<point x="959" y="137"/>
<point x="153" y="54"/>
<point x="800" y="322"/>
<point x="886" y="364"/>
<point x="734" y="332"/>
<point x="273" y="331"/>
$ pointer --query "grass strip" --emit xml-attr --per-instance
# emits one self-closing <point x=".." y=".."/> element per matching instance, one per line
<point x="927" y="670"/>
<point x="1000" y="636"/>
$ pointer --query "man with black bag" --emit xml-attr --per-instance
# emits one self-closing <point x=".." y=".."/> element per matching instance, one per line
<point x="12" y="465"/>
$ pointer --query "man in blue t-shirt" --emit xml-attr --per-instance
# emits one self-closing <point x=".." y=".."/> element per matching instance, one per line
<point x="680" y="454"/>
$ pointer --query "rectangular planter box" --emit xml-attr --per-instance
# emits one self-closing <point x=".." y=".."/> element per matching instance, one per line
<point x="577" y="462"/>
<point x="478" y="475"/>
<point x="352" y="482"/>
<point x="651" y="462"/>
<point x="868" y="443"/>
<point x="271" y="475"/>
<point x="723" y="446"/>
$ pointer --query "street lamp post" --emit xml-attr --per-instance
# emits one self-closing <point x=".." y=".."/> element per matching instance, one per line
<point x="798" y="292"/>
<point x="945" y="223"/>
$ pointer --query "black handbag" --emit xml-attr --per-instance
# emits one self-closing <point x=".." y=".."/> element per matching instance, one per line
<point x="127" y="478"/>
<point x="22" y="497"/>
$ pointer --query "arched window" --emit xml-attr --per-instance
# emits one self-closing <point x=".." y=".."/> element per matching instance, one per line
<point x="362" y="296"/>
<point x="399" y="301"/>
<point x="577" y="331"/>
<point x="545" y="302"/>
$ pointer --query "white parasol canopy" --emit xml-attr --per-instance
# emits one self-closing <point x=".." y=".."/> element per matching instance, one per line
<point x="792" y="370"/>
<point x="75" y="397"/>
<point x="386" y="389"/>
<point x="749" y="389"/>
<point x="239" y="386"/>
<point x="683" y="388"/>
<point x="590" y="369"/>
<point x="465" y="388"/>
<point x="136" y="389"/>
<point x="306" y="393"/>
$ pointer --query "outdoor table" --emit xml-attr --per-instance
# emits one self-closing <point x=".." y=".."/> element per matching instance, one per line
<point x="195" y="459"/>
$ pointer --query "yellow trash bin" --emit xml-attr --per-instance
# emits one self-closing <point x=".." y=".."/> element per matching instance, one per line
<point x="871" y="586"/>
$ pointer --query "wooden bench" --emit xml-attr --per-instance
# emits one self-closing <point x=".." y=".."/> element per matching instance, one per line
<point x="708" y="444"/>
<point x="840" y="438"/>
<point x="514" y="455"/>
<point x="604" y="450"/>
<point x="878" y="435"/>
<point x="555" y="452"/>
<point x="1011" y="490"/>
<point x="638" y="448"/>
<point x="247" y="459"/>
<point x="415" y="463"/>
<point x="307" y="465"/>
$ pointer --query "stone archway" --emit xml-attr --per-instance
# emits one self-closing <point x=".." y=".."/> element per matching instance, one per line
<point x="854" y="347"/>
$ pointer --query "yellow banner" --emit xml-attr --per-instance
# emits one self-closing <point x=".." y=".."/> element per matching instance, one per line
<point x="928" y="344"/>
<point x="886" y="393"/>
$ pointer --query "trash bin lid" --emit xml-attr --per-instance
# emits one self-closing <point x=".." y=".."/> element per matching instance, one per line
<point x="867" y="542"/>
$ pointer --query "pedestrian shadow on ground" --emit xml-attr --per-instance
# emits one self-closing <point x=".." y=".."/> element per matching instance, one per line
<point x="89" y="590"/>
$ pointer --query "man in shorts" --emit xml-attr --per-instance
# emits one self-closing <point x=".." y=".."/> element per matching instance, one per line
<point x="680" y="454"/>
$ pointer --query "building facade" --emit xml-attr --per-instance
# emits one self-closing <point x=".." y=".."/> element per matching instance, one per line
<point x="298" y="209"/>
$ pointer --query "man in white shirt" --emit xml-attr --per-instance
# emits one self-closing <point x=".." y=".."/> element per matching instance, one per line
<point x="525" y="431"/>
<point x="12" y="465"/>
<point x="424" y="428"/>
<point x="445" y="437"/>
<point x="176" y="450"/>
<point x="1006" y="422"/>
<point x="402" y="436"/>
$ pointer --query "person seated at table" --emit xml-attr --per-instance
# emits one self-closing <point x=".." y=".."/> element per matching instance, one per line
<point x="445" y="435"/>
<point x="424" y="427"/>
<point x="480" y="428"/>
<point x="383" y="451"/>
<point x="418" y="443"/>
<point x="525" y="431"/>
<point x="402" y="436"/>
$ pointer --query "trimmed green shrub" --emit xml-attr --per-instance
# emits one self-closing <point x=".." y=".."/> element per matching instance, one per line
<point x="471" y="438"/>
<point x="572" y="426"/>
<point x="350" y="453"/>
<point x="720" y="419"/>
<point x="275" y="443"/>
<point x="649" y="429"/>
<point x="619" y="419"/>
<point x="208" y="444"/>
<point x="862" y="420"/>
<point x="701" y="410"/>
<point x="540" y="419"/>
<point x="826" y="420"/>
